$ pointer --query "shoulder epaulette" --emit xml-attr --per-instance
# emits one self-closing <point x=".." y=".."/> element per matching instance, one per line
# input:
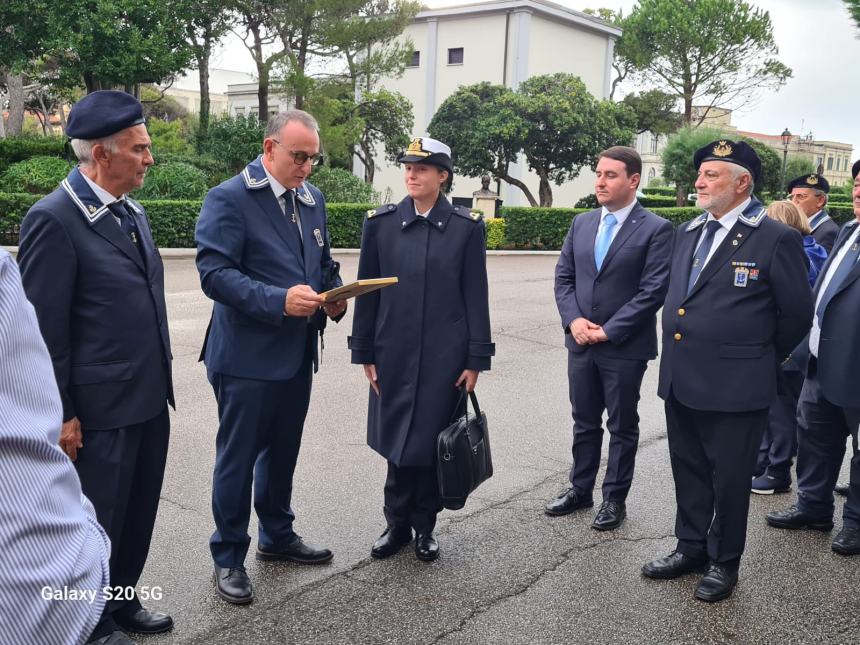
<point x="462" y="211"/>
<point x="382" y="210"/>
<point x="696" y="223"/>
<point x="753" y="219"/>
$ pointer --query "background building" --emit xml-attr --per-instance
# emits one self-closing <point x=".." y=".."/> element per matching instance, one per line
<point x="503" y="42"/>
<point x="185" y="90"/>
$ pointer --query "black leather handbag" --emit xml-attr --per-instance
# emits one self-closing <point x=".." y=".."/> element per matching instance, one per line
<point x="463" y="454"/>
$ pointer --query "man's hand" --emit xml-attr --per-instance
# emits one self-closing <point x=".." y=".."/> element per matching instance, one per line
<point x="370" y="373"/>
<point x="302" y="301"/>
<point x="71" y="438"/>
<point x="334" y="309"/>
<point x="597" y="335"/>
<point x="579" y="329"/>
<point x="469" y="378"/>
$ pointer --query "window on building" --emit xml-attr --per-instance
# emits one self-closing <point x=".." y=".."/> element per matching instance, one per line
<point x="652" y="174"/>
<point x="829" y="163"/>
<point x="415" y="61"/>
<point x="455" y="56"/>
<point x="240" y="111"/>
<point x="654" y="144"/>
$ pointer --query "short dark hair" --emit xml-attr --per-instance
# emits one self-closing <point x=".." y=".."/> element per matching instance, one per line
<point x="628" y="156"/>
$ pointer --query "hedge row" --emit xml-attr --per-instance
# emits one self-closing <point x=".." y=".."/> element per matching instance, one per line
<point x="15" y="149"/>
<point x="524" y="228"/>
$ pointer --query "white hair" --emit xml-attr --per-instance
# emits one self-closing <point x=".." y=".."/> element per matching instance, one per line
<point x="84" y="147"/>
<point x="738" y="171"/>
<point x="279" y="120"/>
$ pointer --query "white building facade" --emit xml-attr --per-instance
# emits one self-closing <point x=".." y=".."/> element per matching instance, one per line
<point x="504" y="42"/>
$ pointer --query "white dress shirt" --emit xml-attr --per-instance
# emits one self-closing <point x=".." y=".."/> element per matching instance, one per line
<point x="620" y="217"/>
<point x="726" y="222"/>
<point x="815" y="332"/>
<point x="104" y="196"/>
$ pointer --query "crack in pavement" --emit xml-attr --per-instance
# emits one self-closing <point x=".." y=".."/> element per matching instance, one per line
<point x="178" y="505"/>
<point x="520" y="589"/>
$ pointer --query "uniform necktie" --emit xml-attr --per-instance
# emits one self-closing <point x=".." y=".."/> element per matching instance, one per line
<point x="701" y="254"/>
<point x="848" y="262"/>
<point x="126" y="223"/>
<point x="604" y="239"/>
<point x="295" y="216"/>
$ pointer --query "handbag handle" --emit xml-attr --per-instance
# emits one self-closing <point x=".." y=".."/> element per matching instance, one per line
<point x="460" y="400"/>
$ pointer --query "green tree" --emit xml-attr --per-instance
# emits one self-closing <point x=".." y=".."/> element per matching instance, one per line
<point x="710" y="52"/>
<point x="234" y="140"/>
<point x="796" y="166"/>
<point x="770" y="180"/>
<point x="655" y="111"/>
<point x="678" y="157"/>
<point x="552" y="120"/>
<point x="853" y="7"/>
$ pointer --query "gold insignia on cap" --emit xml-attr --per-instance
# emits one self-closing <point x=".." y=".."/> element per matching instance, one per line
<point x="416" y="148"/>
<point x="812" y="180"/>
<point x="722" y="149"/>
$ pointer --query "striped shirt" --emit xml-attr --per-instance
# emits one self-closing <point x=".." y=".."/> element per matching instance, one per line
<point x="53" y="553"/>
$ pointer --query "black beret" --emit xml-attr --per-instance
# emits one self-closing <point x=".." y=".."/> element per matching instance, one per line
<point x="740" y="153"/>
<point x="816" y="182"/>
<point x="855" y="169"/>
<point x="102" y="114"/>
<point x="428" y="151"/>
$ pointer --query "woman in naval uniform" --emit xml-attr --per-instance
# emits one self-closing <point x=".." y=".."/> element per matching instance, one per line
<point x="421" y="339"/>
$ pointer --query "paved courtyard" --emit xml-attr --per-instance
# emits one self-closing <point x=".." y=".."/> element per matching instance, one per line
<point x="508" y="573"/>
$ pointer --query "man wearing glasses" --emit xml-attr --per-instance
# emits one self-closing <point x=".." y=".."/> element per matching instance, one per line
<point x="263" y="256"/>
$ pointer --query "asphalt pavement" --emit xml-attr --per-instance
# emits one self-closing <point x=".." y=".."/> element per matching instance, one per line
<point x="508" y="574"/>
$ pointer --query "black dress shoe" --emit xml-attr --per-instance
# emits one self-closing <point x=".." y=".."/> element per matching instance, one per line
<point x="841" y="489"/>
<point x="674" y="565"/>
<point x="847" y="542"/>
<point x="144" y="621"/>
<point x="295" y="551"/>
<point x="717" y="584"/>
<point x="567" y="502"/>
<point x="794" y="518"/>
<point x="609" y="516"/>
<point x="114" y="638"/>
<point x="426" y="547"/>
<point x="233" y="585"/>
<point x="391" y="541"/>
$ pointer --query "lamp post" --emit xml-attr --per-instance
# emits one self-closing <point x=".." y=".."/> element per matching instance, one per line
<point x="786" y="139"/>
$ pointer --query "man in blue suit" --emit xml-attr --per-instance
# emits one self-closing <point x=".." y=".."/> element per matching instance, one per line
<point x="809" y="194"/>
<point x="263" y="256"/>
<point x="829" y="403"/>
<point x="610" y="280"/>
<point x="739" y="301"/>
<point x="90" y="267"/>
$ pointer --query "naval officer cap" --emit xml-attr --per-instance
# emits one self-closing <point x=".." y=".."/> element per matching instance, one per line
<point x="736" y="152"/>
<point x="855" y="169"/>
<point x="428" y="151"/>
<point x="102" y="114"/>
<point x="816" y="182"/>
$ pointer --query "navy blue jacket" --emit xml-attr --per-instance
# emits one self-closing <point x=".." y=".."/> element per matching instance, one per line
<point x="839" y="342"/>
<point x="722" y="344"/>
<point x="422" y="332"/>
<point x="249" y="254"/>
<point x="624" y="296"/>
<point x="824" y="230"/>
<point x="100" y="306"/>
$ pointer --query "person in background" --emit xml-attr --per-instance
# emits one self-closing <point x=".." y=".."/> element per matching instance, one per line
<point x="810" y="193"/>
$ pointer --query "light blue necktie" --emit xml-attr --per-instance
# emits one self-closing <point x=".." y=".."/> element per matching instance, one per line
<point x="601" y="246"/>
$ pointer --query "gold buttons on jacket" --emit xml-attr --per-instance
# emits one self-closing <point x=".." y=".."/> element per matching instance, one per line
<point x="677" y="336"/>
<point x="681" y="312"/>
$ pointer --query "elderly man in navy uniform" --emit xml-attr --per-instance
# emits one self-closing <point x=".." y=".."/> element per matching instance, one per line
<point x="809" y="194"/>
<point x="610" y="280"/>
<point x="739" y="301"/>
<point x="90" y="267"/>
<point x="829" y="404"/>
<point x="263" y="257"/>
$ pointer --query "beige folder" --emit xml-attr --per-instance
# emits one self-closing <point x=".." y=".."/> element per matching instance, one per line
<point x="357" y="288"/>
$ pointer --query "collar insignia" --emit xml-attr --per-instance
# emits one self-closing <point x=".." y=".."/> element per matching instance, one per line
<point x="696" y="223"/>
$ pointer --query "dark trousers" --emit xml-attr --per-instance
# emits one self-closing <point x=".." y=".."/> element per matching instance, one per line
<point x="412" y="497"/>
<point x="121" y="472"/>
<point x="597" y="383"/>
<point x="779" y="444"/>
<point x="821" y="447"/>
<point x="713" y="455"/>
<point x="258" y="440"/>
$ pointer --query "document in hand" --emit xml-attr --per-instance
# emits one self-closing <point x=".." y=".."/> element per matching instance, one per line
<point x="357" y="288"/>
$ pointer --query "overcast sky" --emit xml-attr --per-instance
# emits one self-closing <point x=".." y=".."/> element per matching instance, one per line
<point x="816" y="40"/>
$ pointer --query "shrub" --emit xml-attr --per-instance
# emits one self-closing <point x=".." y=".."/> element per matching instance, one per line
<point x="653" y="190"/>
<point x="339" y="185"/>
<point x="173" y="181"/>
<point x="589" y="201"/>
<point x="37" y="175"/>
<point x="537" y="228"/>
<point x="345" y="222"/>
<point x="168" y="137"/>
<point x="13" y="207"/>
<point x="234" y="140"/>
<point x="841" y="214"/>
<point x="13" y="149"/>
<point x="495" y="233"/>
<point x="658" y="201"/>
<point x="215" y="170"/>
<point x="173" y="221"/>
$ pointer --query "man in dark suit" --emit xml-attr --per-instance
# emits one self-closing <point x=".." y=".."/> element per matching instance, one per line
<point x="809" y="194"/>
<point x="829" y="404"/>
<point x="90" y="267"/>
<point x="739" y="301"/>
<point x="263" y="257"/>
<point x="610" y="280"/>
